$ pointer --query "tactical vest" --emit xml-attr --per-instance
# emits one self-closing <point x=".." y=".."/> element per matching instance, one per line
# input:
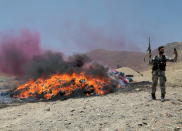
<point x="159" y="63"/>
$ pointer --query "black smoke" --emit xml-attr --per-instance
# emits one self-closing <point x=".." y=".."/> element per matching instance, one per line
<point x="50" y="63"/>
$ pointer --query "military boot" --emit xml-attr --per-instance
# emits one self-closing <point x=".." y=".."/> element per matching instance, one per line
<point x="153" y="96"/>
<point x="162" y="97"/>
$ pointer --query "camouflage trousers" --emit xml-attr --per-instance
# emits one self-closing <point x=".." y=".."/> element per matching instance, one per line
<point x="158" y="75"/>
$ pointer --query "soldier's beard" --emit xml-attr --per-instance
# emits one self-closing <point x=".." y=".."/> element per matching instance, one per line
<point x="161" y="53"/>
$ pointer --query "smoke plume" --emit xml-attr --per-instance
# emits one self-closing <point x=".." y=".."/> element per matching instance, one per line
<point x="21" y="55"/>
<point x="50" y="63"/>
<point x="17" y="50"/>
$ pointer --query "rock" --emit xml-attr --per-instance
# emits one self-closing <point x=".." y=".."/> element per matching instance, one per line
<point x="177" y="129"/>
<point x="169" y="115"/>
<point x="140" y="124"/>
<point x="122" y="116"/>
<point x="180" y="109"/>
<point x="145" y="123"/>
<point x="69" y="123"/>
<point x="145" y="118"/>
<point x="179" y="100"/>
<point x="19" y="114"/>
<point x="81" y="111"/>
<point x="176" y="103"/>
<point x="47" y="109"/>
<point x="72" y="110"/>
<point x="105" y="123"/>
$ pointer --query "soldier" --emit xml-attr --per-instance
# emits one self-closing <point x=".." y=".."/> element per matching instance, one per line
<point x="158" y="71"/>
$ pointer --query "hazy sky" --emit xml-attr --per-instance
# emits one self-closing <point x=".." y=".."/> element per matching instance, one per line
<point x="81" y="25"/>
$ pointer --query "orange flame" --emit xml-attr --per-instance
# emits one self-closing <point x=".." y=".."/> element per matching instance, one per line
<point x="64" y="83"/>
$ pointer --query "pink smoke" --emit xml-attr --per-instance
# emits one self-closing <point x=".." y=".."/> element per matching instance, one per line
<point x="84" y="37"/>
<point x="17" y="50"/>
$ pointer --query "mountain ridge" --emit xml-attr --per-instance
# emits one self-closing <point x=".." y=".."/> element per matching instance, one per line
<point x="131" y="59"/>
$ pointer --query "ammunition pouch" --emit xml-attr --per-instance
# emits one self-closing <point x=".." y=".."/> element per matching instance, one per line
<point x="159" y="63"/>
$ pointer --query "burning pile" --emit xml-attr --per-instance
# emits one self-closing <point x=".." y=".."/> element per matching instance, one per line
<point x="52" y="78"/>
<point x="58" y="85"/>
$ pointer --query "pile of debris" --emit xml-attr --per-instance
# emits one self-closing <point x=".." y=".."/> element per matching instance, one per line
<point x="120" y="77"/>
<point x="59" y="86"/>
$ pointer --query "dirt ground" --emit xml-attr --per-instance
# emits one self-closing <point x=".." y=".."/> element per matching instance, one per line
<point x="124" y="110"/>
<point x="116" y="111"/>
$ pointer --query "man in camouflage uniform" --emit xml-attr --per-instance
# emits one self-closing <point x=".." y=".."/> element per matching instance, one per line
<point x="158" y="71"/>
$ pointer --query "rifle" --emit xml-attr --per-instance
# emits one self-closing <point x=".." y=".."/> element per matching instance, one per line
<point x="149" y="51"/>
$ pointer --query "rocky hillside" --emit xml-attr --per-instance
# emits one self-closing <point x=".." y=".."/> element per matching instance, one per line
<point x="116" y="59"/>
<point x="169" y="48"/>
<point x="134" y="60"/>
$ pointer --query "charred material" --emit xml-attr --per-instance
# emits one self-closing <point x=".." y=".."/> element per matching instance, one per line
<point x="64" y="86"/>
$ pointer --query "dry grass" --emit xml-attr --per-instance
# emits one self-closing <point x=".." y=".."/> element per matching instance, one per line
<point x="173" y="74"/>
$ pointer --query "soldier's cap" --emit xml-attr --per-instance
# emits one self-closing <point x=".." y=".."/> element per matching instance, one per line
<point x="160" y="47"/>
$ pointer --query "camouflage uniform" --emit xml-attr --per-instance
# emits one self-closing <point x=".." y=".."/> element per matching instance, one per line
<point x="158" y="72"/>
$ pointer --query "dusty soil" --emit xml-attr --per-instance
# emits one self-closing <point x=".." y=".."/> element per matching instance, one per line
<point x="116" y="111"/>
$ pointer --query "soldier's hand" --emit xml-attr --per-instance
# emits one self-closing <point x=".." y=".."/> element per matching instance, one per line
<point x="175" y="55"/>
